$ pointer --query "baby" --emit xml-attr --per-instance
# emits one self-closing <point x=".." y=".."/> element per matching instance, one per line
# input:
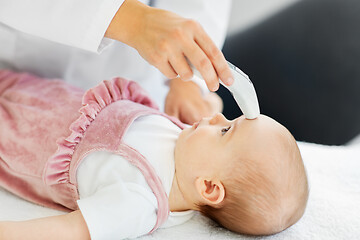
<point x="125" y="169"/>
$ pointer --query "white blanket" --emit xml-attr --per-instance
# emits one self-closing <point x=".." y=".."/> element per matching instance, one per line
<point x="333" y="210"/>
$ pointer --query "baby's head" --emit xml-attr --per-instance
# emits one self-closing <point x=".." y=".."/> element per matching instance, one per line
<point x="247" y="175"/>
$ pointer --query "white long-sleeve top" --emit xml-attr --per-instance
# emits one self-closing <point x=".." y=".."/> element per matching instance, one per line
<point x="65" y="39"/>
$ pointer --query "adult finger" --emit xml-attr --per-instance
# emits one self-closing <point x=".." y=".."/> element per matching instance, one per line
<point x="215" y="55"/>
<point x="167" y="70"/>
<point x="203" y="64"/>
<point x="180" y="65"/>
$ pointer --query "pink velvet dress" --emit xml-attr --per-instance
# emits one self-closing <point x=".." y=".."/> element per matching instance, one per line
<point x="47" y="127"/>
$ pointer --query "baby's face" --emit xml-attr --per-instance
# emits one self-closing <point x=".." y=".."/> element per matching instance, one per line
<point x="211" y="146"/>
<point x="206" y="141"/>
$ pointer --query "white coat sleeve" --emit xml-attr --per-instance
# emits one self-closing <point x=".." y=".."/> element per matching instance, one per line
<point x="213" y="15"/>
<point x="80" y="23"/>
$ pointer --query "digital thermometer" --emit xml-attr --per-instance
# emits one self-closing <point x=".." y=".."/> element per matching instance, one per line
<point x="242" y="90"/>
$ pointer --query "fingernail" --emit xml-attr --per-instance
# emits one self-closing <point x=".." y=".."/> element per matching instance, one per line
<point x="215" y="88"/>
<point x="230" y="81"/>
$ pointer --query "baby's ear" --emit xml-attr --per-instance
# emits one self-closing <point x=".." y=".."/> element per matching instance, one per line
<point x="211" y="191"/>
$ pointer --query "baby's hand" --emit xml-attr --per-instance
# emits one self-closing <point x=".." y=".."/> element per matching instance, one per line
<point x="186" y="102"/>
<point x="214" y="102"/>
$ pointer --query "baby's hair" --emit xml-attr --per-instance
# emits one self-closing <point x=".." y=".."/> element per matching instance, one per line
<point x="258" y="204"/>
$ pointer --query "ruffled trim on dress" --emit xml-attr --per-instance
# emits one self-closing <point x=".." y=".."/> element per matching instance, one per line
<point x="94" y="100"/>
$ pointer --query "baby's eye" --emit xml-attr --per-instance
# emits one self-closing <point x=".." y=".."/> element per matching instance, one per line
<point x="224" y="130"/>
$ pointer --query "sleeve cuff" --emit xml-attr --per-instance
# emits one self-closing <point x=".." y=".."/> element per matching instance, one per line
<point x="94" y="39"/>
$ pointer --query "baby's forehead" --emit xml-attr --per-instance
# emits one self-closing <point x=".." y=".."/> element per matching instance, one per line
<point x="259" y="134"/>
<point x="261" y="125"/>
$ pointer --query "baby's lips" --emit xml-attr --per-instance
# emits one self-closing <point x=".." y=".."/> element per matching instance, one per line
<point x="195" y="125"/>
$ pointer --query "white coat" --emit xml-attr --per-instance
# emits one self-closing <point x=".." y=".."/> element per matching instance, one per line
<point x="65" y="39"/>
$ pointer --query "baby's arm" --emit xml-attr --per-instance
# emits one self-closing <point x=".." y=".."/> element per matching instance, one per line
<point x="68" y="226"/>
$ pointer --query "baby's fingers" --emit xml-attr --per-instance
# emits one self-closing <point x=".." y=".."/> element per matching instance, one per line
<point x="167" y="70"/>
<point x="189" y="114"/>
<point x="172" y="109"/>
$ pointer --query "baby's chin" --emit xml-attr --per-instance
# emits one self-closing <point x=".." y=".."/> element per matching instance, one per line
<point x="182" y="135"/>
<point x="185" y="131"/>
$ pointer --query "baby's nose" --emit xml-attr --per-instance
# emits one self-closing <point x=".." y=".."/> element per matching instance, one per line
<point x="217" y="119"/>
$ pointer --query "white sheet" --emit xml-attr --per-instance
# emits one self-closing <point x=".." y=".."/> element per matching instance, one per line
<point x="333" y="210"/>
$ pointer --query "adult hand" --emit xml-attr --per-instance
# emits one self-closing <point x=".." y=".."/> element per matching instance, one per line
<point x="165" y="40"/>
<point x="186" y="102"/>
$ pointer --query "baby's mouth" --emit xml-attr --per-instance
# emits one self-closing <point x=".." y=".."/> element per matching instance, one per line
<point x="195" y="125"/>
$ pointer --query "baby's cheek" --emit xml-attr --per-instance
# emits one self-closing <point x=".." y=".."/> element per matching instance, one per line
<point x="200" y="139"/>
